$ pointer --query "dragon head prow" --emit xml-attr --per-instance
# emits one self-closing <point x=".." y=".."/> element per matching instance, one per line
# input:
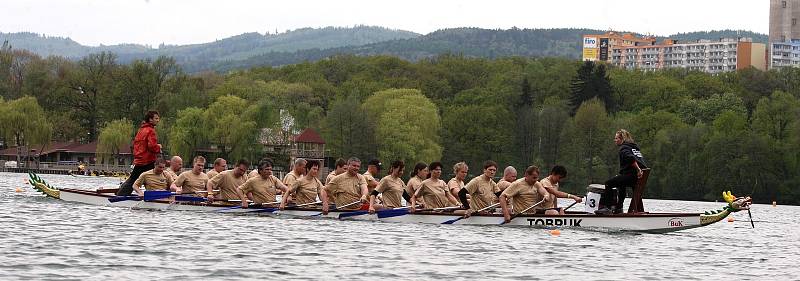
<point x="737" y="203"/>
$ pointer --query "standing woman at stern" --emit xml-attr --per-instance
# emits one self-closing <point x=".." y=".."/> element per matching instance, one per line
<point x="145" y="150"/>
<point x="631" y="163"/>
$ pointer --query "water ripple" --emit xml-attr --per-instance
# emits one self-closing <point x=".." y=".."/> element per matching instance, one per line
<point x="45" y="239"/>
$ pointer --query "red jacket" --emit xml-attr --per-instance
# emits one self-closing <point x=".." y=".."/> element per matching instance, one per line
<point x="145" y="145"/>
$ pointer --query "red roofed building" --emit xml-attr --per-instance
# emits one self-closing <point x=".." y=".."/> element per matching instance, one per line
<point x="308" y="145"/>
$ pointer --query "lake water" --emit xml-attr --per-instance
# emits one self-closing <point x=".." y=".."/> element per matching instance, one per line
<point x="48" y="239"/>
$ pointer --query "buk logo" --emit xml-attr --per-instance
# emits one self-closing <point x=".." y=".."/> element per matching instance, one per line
<point x="637" y="153"/>
<point x="676" y="222"/>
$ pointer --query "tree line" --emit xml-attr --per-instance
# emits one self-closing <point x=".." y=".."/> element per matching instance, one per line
<point x="700" y="133"/>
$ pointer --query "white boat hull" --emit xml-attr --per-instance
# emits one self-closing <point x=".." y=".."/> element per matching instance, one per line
<point x="653" y="222"/>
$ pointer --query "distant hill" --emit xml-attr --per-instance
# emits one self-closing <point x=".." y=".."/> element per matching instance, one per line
<point x="232" y="48"/>
<point x="717" y="34"/>
<point x="471" y="42"/>
<point x="310" y="44"/>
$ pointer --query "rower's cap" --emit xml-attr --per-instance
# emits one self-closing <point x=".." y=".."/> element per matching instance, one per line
<point x="376" y="163"/>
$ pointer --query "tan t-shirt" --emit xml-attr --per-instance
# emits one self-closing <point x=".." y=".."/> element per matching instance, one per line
<point x="434" y="193"/>
<point x="170" y="174"/>
<point x="481" y="189"/>
<point x="211" y="173"/>
<point x="262" y="189"/>
<point x="454" y="186"/>
<point x="306" y="190"/>
<point x="502" y="184"/>
<point x="414" y="183"/>
<point x="547" y="183"/>
<point x="151" y="181"/>
<point x="346" y="189"/>
<point x="392" y="190"/>
<point x="191" y="183"/>
<point x="227" y="184"/>
<point x="330" y="176"/>
<point x="523" y="195"/>
<point x="253" y="173"/>
<point x="290" y="178"/>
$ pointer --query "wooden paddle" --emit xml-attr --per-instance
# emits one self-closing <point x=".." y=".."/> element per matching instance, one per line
<point x="465" y="216"/>
<point x="523" y="211"/>
<point x="340" y="207"/>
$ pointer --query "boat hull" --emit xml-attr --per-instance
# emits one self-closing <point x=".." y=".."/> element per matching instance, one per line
<point x="651" y="222"/>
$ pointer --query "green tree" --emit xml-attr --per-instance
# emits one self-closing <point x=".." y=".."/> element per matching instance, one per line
<point x="345" y="129"/>
<point x="773" y="116"/>
<point x="233" y="133"/>
<point x="115" y="135"/>
<point x="189" y="132"/>
<point x="24" y="124"/>
<point x="590" y="135"/>
<point x="408" y="127"/>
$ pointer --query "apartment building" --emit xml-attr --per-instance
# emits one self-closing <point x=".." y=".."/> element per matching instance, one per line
<point x="711" y="56"/>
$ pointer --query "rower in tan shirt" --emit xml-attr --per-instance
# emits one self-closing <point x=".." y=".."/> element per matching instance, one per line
<point x="228" y="182"/>
<point x="455" y="184"/>
<point x="219" y="166"/>
<point x="262" y="188"/>
<point x="391" y="188"/>
<point x="434" y="191"/>
<point x="340" y="168"/>
<point x="174" y="169"/>
<point x="482" y="189"/>
<point x="509" y="176"/>
<point x="415" y="182"/>
<point x="194" y="181"/>
<point x="550" y="183"/>
<point x="524" y="193"/>
<point x="153" y="179"/>
<point x="306" y="189"/>
<point x="347" y="189"/>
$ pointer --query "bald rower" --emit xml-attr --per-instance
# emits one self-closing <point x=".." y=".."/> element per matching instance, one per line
<point x="509" y="176"/>
<point x="175" y="166"/>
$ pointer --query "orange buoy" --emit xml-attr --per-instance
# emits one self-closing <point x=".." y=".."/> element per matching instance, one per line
<point x="555" y="232"/>
<point x="19" y="189"/>
<point x="730" y="219"/>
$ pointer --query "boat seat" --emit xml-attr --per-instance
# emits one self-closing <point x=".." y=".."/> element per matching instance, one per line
<point x="636" y="205"/>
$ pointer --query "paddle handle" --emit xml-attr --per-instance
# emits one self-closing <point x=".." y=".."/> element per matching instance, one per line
<point x="488" y="207"/>
<point x="523" y="211"/>
<point x="347" y="205"/>
<point x="570" y="205"/>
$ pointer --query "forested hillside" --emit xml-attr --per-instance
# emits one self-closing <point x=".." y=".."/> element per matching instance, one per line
<point x="700" y="133"/>
<point x="308" y="44"/>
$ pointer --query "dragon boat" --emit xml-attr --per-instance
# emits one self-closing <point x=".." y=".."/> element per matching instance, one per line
<point x="630" y="222"/>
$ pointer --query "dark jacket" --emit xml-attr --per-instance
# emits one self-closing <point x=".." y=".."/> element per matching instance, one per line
<point x="629" y="152"/>
<point x="145" y="145"/>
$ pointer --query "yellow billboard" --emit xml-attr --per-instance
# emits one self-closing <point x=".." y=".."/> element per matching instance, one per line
<point x="590" y="54"/>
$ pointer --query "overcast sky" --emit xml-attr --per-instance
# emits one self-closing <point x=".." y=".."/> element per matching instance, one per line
<point x="93" y="22"/>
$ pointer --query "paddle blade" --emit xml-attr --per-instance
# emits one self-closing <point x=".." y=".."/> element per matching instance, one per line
<point x="123" y="198"/>
<point x="151" y="195"/>
<point x="453" y="220"/>
<point x="392" y="213"/>
<point x="352" y="214"/>
<point x="190" y="198"/>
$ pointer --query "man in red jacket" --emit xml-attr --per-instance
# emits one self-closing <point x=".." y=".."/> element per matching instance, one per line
<point x="145" y="150"/>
